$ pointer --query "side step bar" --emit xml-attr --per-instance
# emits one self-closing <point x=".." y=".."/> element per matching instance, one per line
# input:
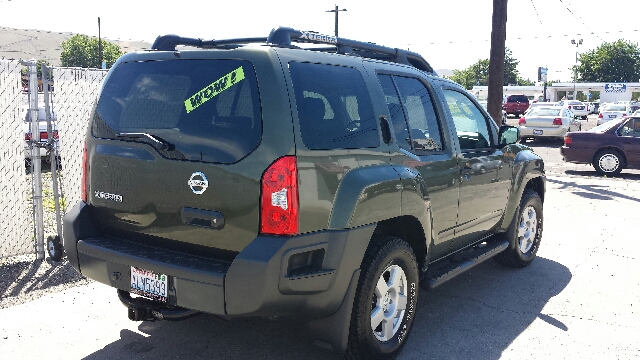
<point x="445" y="273"/>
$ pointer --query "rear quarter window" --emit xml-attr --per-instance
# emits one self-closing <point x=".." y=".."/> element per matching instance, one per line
<point x="334" y="107"/>
<point x="205" y="110"/>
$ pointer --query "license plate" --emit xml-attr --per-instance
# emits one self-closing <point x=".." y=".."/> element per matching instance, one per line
<point x="537" y="132"/>
<point x="613" y="116"/>
<point x="149" y="284"/>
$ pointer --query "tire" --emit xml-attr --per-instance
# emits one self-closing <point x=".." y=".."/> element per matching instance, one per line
<point x="524" y="234"/>
<point x="608" y="162"/>
<point x="387" y="293"/>
<point x="54" y="248"/>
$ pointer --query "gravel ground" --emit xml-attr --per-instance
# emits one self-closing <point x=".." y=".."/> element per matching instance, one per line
<point x="23" y="278"/>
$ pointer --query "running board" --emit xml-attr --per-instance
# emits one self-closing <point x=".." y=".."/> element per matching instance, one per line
<point x="445" y="273"/>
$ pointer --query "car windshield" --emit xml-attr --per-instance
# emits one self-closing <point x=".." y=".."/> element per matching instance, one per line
<point x="545" y="111"/>
<point x="615" y="108"/>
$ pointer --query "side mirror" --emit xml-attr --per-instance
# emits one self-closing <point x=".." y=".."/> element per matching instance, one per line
<point x="508" y="135"/>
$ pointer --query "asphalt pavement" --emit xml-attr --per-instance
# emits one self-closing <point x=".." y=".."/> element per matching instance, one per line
<point x="577" y="300"/>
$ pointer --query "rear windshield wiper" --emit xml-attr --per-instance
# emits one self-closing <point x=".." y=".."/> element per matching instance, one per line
<point x="158" y="142"/>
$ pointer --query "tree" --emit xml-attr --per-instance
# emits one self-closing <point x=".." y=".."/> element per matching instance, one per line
<point x="39" y="63"/>
<point x="82" y="51"/>
<point x="617" y="61"/>
<point x="478" y="73"/>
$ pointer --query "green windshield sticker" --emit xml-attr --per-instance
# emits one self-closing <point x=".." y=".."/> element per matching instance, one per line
<point x="214" y="89"/>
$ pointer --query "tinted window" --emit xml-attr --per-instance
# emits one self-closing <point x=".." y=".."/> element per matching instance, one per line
<point x="471" y="126"/>
<point x="517" y="98"/>
<point x="203" y="110"/>
<point x="414" y="118"/>
<point x="334" y="107"/>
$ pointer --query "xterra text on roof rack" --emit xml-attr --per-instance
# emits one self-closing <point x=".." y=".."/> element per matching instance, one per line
<point x="251" y="177"/>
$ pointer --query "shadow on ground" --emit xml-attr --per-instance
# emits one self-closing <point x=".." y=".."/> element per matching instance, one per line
<point x="480" y="312"/>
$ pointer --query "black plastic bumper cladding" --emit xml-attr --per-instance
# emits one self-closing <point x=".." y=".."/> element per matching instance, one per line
<point x="264" y="279"/>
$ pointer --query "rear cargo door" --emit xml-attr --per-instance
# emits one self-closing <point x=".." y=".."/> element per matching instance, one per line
<point x="169" y="150"/>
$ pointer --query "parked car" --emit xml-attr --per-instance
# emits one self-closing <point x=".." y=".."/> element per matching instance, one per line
<point x="612" y="111"/>
<point x="515" y="104"/>
<point x="42" y="147"/>
<point x="610" y="147"/>
<point x="270" y="180"/>
<point x="483" y="103"/>
<point x="578" y="108"/>
<point x="548" y="122"/>
<point x="539" y="105"/>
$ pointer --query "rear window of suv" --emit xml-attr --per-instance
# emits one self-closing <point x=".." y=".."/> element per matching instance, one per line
<point x="517" y="98"/>
<point x="334" y="107"/>
<point x="198" y="110"/>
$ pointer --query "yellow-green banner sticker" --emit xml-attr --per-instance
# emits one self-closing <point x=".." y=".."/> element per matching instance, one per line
<point x="214" y="89"/>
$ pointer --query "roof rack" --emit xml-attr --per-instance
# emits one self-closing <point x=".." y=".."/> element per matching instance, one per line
<point x="285" y="36"/>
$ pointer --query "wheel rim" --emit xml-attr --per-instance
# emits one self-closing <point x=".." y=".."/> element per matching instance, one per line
<point x="609" y="162"/>
<point x="389" y="303"/>
<point x="527" y="229"/>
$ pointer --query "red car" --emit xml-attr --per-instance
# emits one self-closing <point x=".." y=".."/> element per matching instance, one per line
<point x="515" y="104"/>
<point x="609" y="147"/>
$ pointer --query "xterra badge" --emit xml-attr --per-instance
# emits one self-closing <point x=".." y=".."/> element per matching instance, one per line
<point x="198" y="183"/>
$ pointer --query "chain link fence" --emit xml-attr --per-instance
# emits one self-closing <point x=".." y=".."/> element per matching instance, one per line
<point x="75" y="93"/>
<point x="15" y="202"/>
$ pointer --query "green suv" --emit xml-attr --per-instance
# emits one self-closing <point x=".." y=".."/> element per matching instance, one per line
<point x="254" y="177"/>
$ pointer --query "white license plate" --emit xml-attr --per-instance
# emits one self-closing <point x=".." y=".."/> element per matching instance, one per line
<point x="149" y="284"/>
<point x="537" y="132"/>
<point x="612" y="116"/>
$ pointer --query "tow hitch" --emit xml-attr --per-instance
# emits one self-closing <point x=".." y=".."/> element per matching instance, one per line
<point x="141" y="309"/>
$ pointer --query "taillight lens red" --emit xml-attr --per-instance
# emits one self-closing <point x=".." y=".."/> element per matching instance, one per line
<point x="279" y="198"/>
<point x="569" y="107"/>
<point x="85" y="172"/>
<point x="522" y="121"/>
<point x="600" y="116"/>
<point x="557" y="121"/>
<point x="43" y="135"/>
<point x="623" y="115"/>
<point x="567" y="140"/>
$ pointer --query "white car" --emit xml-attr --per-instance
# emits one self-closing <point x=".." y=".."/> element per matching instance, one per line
<point x="44" y="136"/>
<point x="537" y="105"/>
<point x="548" y="122"/>
<point x="611" y="112"/>
<point x="577" y="107"/>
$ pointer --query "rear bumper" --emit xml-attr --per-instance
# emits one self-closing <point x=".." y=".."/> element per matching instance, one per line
<point x="264" y="279"/>
<point x="579" y="156"/>
<point x="555" y="132"/>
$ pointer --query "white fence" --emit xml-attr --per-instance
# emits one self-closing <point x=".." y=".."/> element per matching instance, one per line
<point x="16" y="225"/>
<point x="75" y="93"/>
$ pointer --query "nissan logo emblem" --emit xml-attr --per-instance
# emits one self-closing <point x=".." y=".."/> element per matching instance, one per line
<point x="198" y="183"/>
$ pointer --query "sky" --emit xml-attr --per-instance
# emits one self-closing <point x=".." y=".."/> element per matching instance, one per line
<point x="451" y="34"/>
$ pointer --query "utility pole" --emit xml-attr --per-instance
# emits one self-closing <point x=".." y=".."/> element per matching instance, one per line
<point x="496" y="59"/>
<point x="575" y="67"/>
<point x="99" y="45"/>
<point x="336" y="11"/>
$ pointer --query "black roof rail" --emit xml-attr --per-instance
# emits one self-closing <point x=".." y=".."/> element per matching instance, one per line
<point x="285" y="36"/>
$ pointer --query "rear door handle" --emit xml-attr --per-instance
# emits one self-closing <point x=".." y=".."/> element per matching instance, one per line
<point x="202" y="218"/>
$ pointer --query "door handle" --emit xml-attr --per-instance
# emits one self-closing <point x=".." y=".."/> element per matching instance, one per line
<point x="202" y="218"/>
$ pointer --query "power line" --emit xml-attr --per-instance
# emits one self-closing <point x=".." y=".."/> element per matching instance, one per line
<point x="531" y="37"/>
<point x="579" y="19"/>
<point x="540" y="19"/>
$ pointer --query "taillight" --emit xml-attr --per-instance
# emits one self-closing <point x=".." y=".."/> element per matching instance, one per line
<point x="522" y="121"/>
<point x="279" y="198"/>
<point x="569" y="107"/>
<point x="27" y="136"/>
<point x="567" y="140"/>
<point x="600" y="116"/>
<point x="85" y="172"/>
<point x="623" y="115"/>
<point x="557" y="121"/>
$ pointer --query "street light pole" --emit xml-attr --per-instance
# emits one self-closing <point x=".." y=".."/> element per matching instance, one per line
<point x="575" y="68"/>
<point x="336" y="11"/>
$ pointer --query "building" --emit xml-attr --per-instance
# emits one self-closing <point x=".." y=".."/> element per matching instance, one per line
<point x="604" y="92"/>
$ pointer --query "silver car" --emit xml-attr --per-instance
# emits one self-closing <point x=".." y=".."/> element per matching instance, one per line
<point x="549" y="122"/>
